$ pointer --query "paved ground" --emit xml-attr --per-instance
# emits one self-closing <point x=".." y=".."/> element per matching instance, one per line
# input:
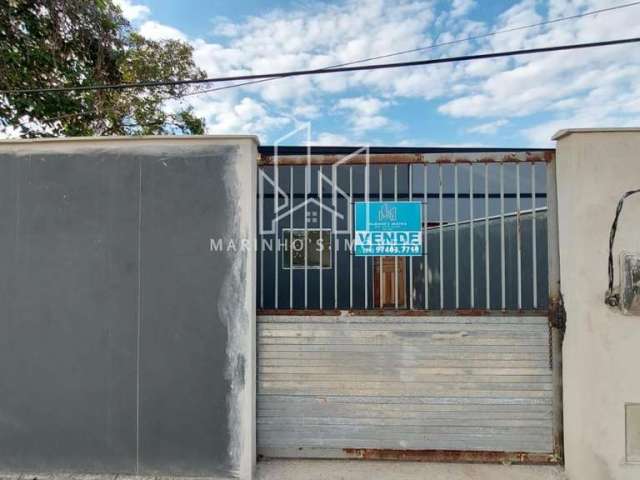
<point x="381" y="470"/>
<point x="354" y="470"/>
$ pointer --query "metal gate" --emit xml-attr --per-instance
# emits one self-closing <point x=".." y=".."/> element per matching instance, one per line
<point x="447" y="356"/>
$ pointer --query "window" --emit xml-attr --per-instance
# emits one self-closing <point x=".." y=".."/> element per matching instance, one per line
<point x="317" y="248"/>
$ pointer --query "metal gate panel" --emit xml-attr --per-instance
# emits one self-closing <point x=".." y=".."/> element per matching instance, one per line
<point x="331" y="384"/>
<point x="485" y="234"/>
<point x="471" y="370"/>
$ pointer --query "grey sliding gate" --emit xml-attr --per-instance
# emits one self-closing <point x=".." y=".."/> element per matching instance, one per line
<point x="444" y="356"/>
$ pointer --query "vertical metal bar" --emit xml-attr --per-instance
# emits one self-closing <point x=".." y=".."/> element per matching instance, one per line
<point x="350" y="237"/>
<point x="395" y="259"/>
<point x="307" y="182"/>
<point x="410" y="258"/>
<point x="556" y="307"/>
<point x="380" y="259"/>
<point x="534" y="251"/>
<point x="471" y="238"/>
<point x="486" y="237"/>
<point x="321" y="253"/>
<point x="424" y="246"/>
<point x="260" y="235"/>
<point x="502" y="248"/>
<point x="518" y="235"/>
<point x="291" y="238"/>
<point x="276" y="199"/>
<point x="456" y="233"/>
<point x="380" y="284"/>
<point x="335" y="245"/>
<point x="366" y="259"/>
<point x="441" y="243"/>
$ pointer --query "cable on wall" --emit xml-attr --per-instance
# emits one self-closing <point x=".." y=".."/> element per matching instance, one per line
<point x="612" y="298"/>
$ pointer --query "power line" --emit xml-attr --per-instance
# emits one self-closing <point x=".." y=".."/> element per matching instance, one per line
<point x="297" y="73"/>
<point x="433" y="46"/>
<point x="393" y="54"/>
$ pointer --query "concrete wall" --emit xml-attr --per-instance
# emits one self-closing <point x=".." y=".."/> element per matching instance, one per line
<point x="602" y="347"/>
<point x="126" y="345"/>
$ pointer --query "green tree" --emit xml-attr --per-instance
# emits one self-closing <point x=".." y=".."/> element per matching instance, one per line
<point x="80" y="42"/>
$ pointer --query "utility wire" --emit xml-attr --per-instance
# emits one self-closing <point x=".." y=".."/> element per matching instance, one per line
<point x="352" y="68"/>
<point x="433" y="46"/>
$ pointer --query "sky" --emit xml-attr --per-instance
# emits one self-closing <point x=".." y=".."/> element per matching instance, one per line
<point x="508" y="102"/>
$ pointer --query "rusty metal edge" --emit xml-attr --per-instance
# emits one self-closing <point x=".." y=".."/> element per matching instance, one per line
<point x="556" y="308"/>
<point x="390" y="158"/>
<point x="458" y="456"/>
<point x="403" y="313"/>
<point x="400" y="158"/>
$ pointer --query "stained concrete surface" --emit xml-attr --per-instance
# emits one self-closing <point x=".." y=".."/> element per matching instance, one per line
<point x="356" y="470"/>
<point x="379" y="470"/>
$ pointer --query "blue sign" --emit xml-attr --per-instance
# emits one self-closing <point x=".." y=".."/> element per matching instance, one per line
<point x="388" y="228"/>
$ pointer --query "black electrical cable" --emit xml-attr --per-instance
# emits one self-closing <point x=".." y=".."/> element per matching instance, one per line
<point x="434" y="45"/>
<point x="295" y="73"/>
<point x="613" y="299"/>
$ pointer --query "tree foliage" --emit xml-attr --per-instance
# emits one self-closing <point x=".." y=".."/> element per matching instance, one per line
<point x="80" y="42"/>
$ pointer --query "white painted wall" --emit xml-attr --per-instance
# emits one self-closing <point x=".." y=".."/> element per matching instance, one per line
<point x="602" y="347"/>
<point x="242" y="182"/>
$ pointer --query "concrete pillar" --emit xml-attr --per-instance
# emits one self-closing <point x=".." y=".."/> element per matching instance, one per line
<point x="601" y="349"/>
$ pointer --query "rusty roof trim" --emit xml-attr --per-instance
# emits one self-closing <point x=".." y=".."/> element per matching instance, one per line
<point x="345" y="150"/>
<point x="542" y="156"/>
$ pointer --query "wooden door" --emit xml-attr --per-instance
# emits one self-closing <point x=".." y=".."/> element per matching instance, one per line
<point x="391" y="283"/>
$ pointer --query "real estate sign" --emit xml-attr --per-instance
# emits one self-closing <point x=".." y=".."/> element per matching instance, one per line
<point x="388" y="229"/>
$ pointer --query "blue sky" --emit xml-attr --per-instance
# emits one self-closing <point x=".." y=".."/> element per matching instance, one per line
<point x="503" y="102"/>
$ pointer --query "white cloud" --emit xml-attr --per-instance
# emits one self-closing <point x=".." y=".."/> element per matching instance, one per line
<point x="364" y="112"/>
<point x="461" y="7"/>
<point x="594" y="87"/>
<point x="362" y="105"/>
<point x="133" y="11"/>
<point x="603" y="107"/>
<point x="157" y="31"/>
<point x="489" y="128"/>
<point x="306" y="111"/>
<point x="228" y="115"/>
<point x="316" y="36"/>
<point x="331" y="139"/>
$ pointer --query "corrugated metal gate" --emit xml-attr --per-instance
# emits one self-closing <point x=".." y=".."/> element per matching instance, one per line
<point x="459" y="367"/>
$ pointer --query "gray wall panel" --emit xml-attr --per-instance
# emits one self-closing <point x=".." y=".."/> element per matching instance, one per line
<point x="183" y="399"/>
<point x="114" y="341"/>
<point x="70" y="363"/>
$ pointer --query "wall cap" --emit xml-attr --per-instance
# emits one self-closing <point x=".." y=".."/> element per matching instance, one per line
<point x="568" y="131"/>
<point x="131" y="138"/>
